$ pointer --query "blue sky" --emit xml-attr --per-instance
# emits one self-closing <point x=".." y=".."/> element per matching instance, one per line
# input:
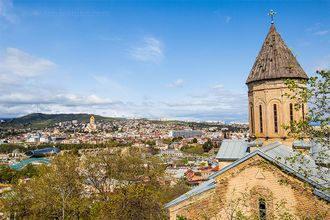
<point x="154" y="59"/>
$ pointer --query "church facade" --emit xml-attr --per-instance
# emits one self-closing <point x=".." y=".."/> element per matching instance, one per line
<point x="262" y="184"/>
<point x="257" y="186"/>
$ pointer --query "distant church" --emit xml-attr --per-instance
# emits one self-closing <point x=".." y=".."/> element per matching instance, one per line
<point x="91" y="127"/>
<point x="262" y="184"/>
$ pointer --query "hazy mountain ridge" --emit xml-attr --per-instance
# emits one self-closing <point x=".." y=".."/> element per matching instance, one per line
<point x="43" y="120"/>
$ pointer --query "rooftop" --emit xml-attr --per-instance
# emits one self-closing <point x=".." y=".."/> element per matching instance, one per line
<point x="231" y="150"/>
<point x="280" y="155"/>
<point x="275" y="60"/>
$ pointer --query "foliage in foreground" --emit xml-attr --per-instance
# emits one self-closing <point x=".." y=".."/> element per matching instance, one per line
<point x="11" y="176"/>
<point x="314" y="125"/>
<point x="103" y="187"/>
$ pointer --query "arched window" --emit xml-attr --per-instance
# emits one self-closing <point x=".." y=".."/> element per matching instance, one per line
<point x="275" y="118"/>
<point x="252" y="119"/>
<point x="262" y="209"/>
<point x="260" y="119"/>
<point x="291" y="112"/>
<point x="303" y="111"/>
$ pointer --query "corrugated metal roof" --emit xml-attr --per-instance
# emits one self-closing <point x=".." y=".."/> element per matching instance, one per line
<point x="255" y="143"/>
<point x="232" y="150"/>
<point x="301" y="144"/>
<point x="320" y="153"/>
<point x="298" y="164"/>
<point x="322" y="194"/>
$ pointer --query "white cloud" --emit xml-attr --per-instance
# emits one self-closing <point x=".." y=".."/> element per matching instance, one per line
<point x="321" y="32"/>
<point x="41" y="95"/>
<point x="78" y="100"/>
<point x="101" y="79"/>
<point x="18" y="94"/>
<point x="107" y="81"/>
<point x="227" y="19"/>
<point x="48" y="99"/>
<point x="6" y="11"/>
<point x="26" y="96"/>
<point x="151" y="50"/>
<point x="18" y="98"/>
<point x="318" y="29"/>
<point x="209" y="104"/>
<point x="16" y="65"/>
<point x="217" y="87"/>
<point x="54" y="108"/>
<point x="177" y="83"/>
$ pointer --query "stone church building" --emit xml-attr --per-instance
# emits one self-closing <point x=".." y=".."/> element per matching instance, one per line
<point x="264" y="184"/>
<point x="269" y="107"/>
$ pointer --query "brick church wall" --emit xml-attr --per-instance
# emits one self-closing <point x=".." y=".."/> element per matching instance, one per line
<point x="266" y="94"/>
<point x="238" y="191"/>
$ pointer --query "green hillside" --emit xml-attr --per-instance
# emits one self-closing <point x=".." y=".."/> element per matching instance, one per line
<point x="39" y="120"/>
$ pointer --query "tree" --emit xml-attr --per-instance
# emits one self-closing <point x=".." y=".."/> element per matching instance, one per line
<point x="315" y="123"/>
<point x="8" y="175"/>
<point x="11" y="176"/>
<point x="193" y="149"/>
<point x="150" y="142"/>
<point x="134" y="201"/>
<point x="177" y="139"/>
<point x="169" y="193"/>
<point x="167" y="141"/>
<point x="207" y="146"/>
<point x="111" y="185"/>
<point x="126" y="185"/>
<point x="57" y="192"/>
<point x="314" y="92"/>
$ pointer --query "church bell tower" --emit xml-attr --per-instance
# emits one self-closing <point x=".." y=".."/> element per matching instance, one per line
<point x="269" y="107"/>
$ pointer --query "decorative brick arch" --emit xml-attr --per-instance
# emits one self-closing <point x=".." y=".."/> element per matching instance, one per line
<point x="270" y="121"/>
<point x="261" y="192"/>
<point x="263" y="104"/>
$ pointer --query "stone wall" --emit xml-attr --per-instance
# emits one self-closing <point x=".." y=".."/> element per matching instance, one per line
<point x="266" y="94"/>
<point x="239" y="189"/>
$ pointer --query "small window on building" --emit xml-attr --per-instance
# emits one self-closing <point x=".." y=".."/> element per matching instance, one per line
<point x="252" y="119"/>
<point x="260" y="119"/>
<point x="262" y="209"/>
<point x="275" y="119"/>
<point x="303" y="111"/>
<point x="291" y="112"/>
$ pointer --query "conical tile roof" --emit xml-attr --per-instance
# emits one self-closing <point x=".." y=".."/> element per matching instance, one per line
<point x="275" y="60"/>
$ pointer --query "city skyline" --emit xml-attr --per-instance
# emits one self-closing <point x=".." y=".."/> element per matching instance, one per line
<point x="178" y="60"/>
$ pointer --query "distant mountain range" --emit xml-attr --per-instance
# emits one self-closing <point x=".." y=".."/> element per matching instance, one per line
<point x="40" y="120"/>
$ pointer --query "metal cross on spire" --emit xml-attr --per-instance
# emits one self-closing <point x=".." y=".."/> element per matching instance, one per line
<point x="272" y="13"/>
